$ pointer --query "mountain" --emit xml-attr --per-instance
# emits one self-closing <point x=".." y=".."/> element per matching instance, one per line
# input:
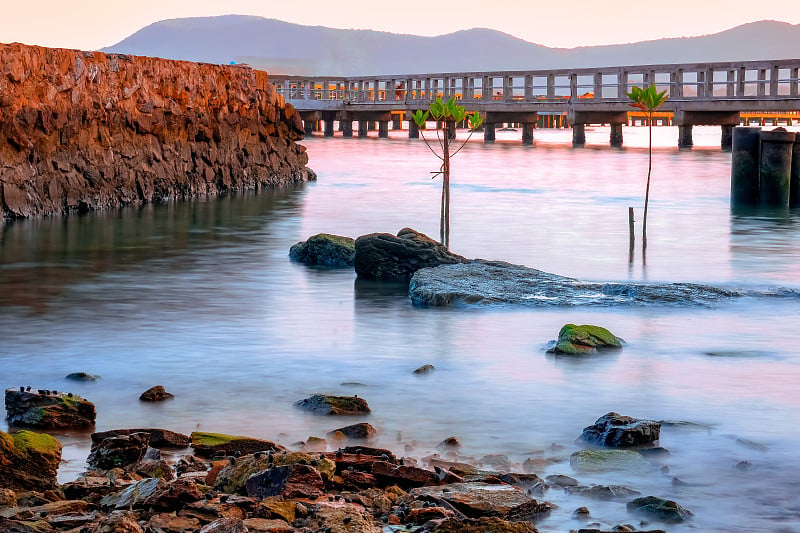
<point x="285" y="48"/>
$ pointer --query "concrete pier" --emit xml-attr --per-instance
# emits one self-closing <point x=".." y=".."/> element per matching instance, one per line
<point x="488" y="132"/>
<point x="745" y="157"/>
<point x="776" y="167"/>
<point x="383" y="129"/>
<point x="794" y="183"/>
<point x="578" y="134"/>
<point x="328" y="128"/>
<point x="362" y="129"/>
<point x="615" y="138"/>
<point x="726" y="141"/>
<point x="413" y="130"/>
<point x="347" y="128"/>
<point x="685" y="136"/>
<point x="527" y="133"/>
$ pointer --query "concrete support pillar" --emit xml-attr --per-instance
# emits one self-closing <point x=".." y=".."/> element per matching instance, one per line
<point x="370" y="125"/>
<point x="413" y="130"/>
<point x="397" y="122"/>
<point x="329" y="128"/>
<point x="615" y="138"/>
<point x="362" y="128"/>
<point x="745" y="155"/>
<point x="488" y="132"/>
<point x="527" y="133"/>
<point x="383" y="129"/>
<point x="451" y="130"/>
<point x="776" y="167"/>
<point x="685" y="136"/>
<point x="726" y="141"/>
<point x="578" y="134"/>
<point x="308" y="127"/>
<point x="794" y="184"/>
<point x="347" y="128"/>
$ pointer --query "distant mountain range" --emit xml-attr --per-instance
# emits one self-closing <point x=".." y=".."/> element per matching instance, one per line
<point x="285" y="48"/>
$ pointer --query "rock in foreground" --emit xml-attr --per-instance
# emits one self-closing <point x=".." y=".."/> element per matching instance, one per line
<point x="388" y="257"/>
<point x="497" y="282"/>
<point x="324" y="404"/>
<point x="210" y="444"/>
<point x="666" y="510"/>
<point x="29" y="461"/>
<point x="325" y="249"/>
<point x="585" y="339"/>
<point x="618" y="431"/>
<point x="48" y="409"/>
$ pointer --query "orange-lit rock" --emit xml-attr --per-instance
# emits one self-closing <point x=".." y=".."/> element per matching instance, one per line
<point x="88" y="130"/>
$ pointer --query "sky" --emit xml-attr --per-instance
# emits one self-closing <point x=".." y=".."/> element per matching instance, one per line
<point x="94" y="24"/>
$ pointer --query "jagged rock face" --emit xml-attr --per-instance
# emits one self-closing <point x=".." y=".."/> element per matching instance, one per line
<point x="618" y="431"/>
<point x="48" y="409"/>
<point x="88" y="130"/>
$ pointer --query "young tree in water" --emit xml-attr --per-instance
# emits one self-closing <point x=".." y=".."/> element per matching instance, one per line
<point x="450" y="113"/>
<point x="648" y="100"/>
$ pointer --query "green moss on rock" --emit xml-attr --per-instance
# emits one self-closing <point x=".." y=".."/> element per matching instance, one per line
<point x="584" y="339"/>
<point x="325" y="249"/>
<point x="208" y="444"/>
<point x="30" y="442"/>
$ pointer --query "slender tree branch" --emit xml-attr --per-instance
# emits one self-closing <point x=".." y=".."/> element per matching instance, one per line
<point x="463" y="144"/>
<point x="429" y="146"/>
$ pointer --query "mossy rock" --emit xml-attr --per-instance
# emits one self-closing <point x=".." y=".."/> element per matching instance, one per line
<point x="210" y="444"/>
<point x="48" y="409"/>
<point x="325" y="249"/>
<point x="667" y="510"/>
<point x="324" y="404"/>
<point x="29" y="460"/>
<point x="585" y="339"/>
<point x="607" y="460"/>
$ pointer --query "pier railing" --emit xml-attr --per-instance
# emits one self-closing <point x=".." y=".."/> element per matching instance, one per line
<point x="775" y="81"/>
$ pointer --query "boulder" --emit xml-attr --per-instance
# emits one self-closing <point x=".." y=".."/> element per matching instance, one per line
<point x="118" y="452"/>
<point x="481" y="282"/>
<point x="48" y="409"/>
<point x="232" y="478"/>
<point x="325" y="404"/>
<point x="602" y="492"/>
<point x="159" y="438"/>
<point x="585" y="339"/>
<point x="290" y="481"/>
<point x="388" y="257"/>
<point x="355" y="431"/>
<point x="618" y="431"/>
<point x="134" y="495"/>
<point x="210" y="444"/>
<point x="156" y="394"/>
<point x="666" y="510"/>
<point x="174" y="495"/>
<point x="607" y="460"/>
<point x="29" y="461"/>
<point x="478" y="499"/>
<point x="325" y="249"/>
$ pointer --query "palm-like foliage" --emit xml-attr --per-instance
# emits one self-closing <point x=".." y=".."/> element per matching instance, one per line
<point x="648" y="100"/>
<point x="449" y="112"/>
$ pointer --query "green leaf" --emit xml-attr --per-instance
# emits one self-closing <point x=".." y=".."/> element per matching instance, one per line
<point x="420" y="118"/>
<point x="475" y="120"/>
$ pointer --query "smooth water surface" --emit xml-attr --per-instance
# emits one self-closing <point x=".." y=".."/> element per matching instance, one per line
<point x="202" y="298"/>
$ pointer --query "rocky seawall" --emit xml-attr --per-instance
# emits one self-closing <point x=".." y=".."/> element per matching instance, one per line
<point x="88" y="130"/>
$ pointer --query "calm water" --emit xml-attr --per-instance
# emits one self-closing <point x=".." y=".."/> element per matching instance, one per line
<point x="201" y="297"/>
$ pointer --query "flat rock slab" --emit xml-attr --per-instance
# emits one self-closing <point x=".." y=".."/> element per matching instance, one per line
<point x="159" y="438"/>
<point x="480" y="499"/>
<point x="496" y="282"/>
<point x="325" y="404"/>
<point x="618" y="431"/>
<point x="210" y="444"/>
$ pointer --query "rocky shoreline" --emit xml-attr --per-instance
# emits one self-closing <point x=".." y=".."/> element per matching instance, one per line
<point x="156" y="480"/>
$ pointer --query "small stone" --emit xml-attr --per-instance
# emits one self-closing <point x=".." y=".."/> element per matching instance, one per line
<point x="425" y="369"/>
<point x="156" y="394"/>
<point x="82" y="376"/>
<point x="323" y="404"/>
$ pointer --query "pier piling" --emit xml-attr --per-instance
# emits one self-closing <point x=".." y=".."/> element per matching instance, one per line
<point x="794" y="183"/>
<point x="745" y="155"/>
<point x="776" y="167"/>
<point x="578" y="134"/>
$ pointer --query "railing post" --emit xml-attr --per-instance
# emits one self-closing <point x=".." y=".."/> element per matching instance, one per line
<point x="708" y="89"/>
<point x="428" y="89"/>
<point x="730" y="86"/>
<point x="701" y="84"/>
<point x="551" y="86"/>
<point x="573" y="85"/>
<point x="598" y="85"/>
<point x="508" y="88"/>
<point x="468" y="88"/>
<point x="486" y="90"/>
<point x="773" y="82"/>
<point x="528" y="87"/>
<point x="741" y="77"/>
<point x="762" y="82"/>
<point x="622" y="84"/>
<point x="793" y="88"/>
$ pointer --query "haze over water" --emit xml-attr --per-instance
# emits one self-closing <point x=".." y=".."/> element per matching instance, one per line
<point x="202" y="298"/>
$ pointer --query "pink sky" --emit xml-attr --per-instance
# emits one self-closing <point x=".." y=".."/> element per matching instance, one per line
<point x="93" y="24"/>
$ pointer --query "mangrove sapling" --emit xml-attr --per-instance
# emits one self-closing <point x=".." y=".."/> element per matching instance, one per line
<point x="648" y="100"/>
<point x="449" y="113"/>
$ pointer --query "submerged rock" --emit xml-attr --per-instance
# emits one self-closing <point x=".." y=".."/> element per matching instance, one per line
<point x="388" y="257"/>
<point x="82" y="376"/>
<point x="607" y="460"/>
<point x="602" y="492"/>
<point x="585" y="339"/>
<point x="618" y="431"/>
<point x="660" y="508"/>
<point x="325" y="249"/>
<point x="325" y="404"/>
<point x="48" y="409"/>
<point x="355" y="431"/>
<point x="498" y="282"/>
<point x="29" y="460"/>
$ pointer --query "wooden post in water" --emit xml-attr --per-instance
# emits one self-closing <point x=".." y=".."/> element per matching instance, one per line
<point x="631" y="235"/>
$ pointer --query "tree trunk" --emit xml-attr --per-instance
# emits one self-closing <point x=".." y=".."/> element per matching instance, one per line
<point x="649" y="169"/>
<point x="444" y="228"/>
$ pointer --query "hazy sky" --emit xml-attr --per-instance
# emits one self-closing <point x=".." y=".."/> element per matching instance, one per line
<point x="93" y="24"/>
